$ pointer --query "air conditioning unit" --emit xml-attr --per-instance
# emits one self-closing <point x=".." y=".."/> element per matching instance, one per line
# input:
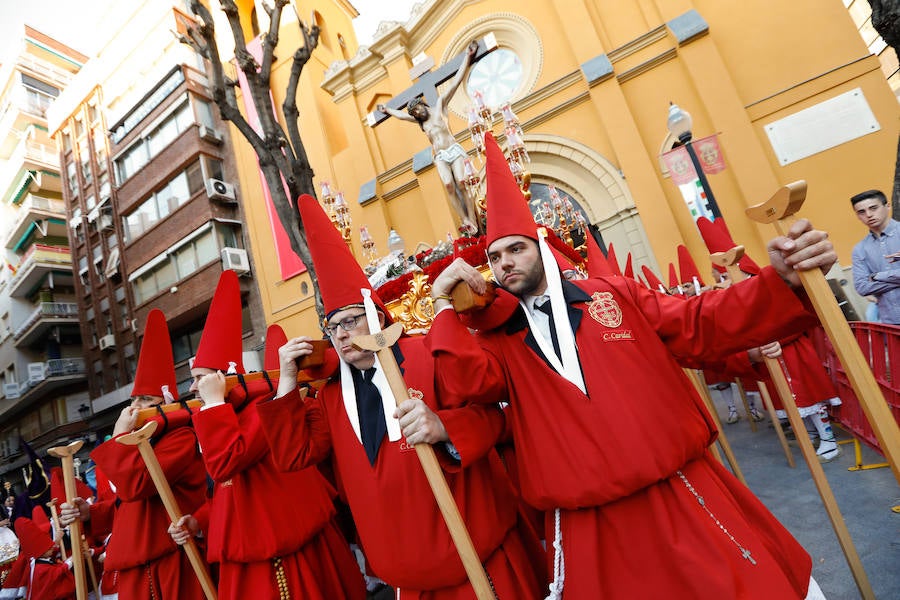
<point x="107" y="342"/>
<point x="210" y="135"/>
<point x="235" y="259"/>
<point x="217" y="189"/>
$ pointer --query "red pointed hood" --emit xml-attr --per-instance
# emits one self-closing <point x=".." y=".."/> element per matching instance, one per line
<point x="40" y="518"/>
<point x="58" y="486"/>
<point x="156" y="366"/>
<point x="507" y="210"/>
<point x="652" y="280"/>
<point x="718" y="239"/>
<point x="629" y="268"/>
<point x="220" y="346"/>
<point x="340" y="276"/>
<point x="597" y="265"/>
<point x="673" y="277"/>
<point x="612" y="260"/>
<point x="33" y="540"/>
<point x="687" y="267"/>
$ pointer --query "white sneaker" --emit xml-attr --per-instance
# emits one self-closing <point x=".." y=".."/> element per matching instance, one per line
<point x="756" y="415"/>
<point x="732" y="416"/>
<point x="828" y="451"/>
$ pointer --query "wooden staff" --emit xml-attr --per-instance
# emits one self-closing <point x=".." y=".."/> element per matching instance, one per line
<point x="730" y="260"/>
<point x="779" y="210"/>
<point x="90" y="566"/>
<point x="776" y="423"/>
<point x="699" y="382"/>
<point x="381" y="343"/>
<point x="54" y="516"/>
<point x="141" y="439"/>
<point x="784" y="203"/>
<point x="66" y="454"/>
<point x="743" y="395"/>
<point x="818" y="475"/>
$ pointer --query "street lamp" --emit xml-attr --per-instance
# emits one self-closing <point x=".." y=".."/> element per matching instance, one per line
<point x="679" y="124"/>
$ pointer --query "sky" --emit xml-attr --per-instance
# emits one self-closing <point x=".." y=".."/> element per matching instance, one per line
<point x="72" y="22"/>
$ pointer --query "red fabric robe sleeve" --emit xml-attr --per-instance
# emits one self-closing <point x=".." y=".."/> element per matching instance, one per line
<point x="472" y="375"/>
<point x="227" y="448"/>
<point x="102" y="514"/>
<point x="473" y="430"/>
<point x="125" y="467"/>
<point x="306" y="441"/>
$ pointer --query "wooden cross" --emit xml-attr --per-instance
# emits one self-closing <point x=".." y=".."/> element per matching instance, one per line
<point x="426" y="85"/>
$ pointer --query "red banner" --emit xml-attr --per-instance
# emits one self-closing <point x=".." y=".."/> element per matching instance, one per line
<point x="678" y="163"/>
<point x="711" y="159"/>
<point x="288" y="260"/>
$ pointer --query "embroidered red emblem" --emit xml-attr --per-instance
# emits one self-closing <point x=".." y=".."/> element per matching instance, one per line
<point x="415" y="394"/>
<point x="605" y="310"/>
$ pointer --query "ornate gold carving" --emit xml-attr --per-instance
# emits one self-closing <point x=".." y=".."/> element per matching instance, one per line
<point x="415" y="308"/>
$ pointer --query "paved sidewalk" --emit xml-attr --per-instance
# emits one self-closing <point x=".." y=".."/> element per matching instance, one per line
<point x="865" y="499"/>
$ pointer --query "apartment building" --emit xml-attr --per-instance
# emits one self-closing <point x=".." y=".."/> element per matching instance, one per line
<point x="152" y="211"/>
<point x="43" y="383"/>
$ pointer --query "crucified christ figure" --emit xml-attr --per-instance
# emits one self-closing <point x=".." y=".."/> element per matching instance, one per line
<point x="449" y="156"/>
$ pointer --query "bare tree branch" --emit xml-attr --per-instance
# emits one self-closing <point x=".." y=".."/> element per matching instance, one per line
<point x="289" y="107"/>
<point x="281" y="160"/>
<point x="226" y="102"/>
<point x="270" y="41"/>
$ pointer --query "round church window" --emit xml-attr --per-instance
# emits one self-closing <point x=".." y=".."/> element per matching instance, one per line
<point x="497" y="76"/>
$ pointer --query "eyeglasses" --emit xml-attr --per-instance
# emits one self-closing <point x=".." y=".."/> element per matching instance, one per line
<point x="347" y="324"/>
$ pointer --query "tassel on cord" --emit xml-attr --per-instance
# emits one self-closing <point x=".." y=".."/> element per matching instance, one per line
<point x="167" y="395"/>
<point x="559" y="561"/>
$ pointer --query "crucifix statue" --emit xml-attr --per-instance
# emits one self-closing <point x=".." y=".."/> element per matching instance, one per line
<point x="425" y="107"/>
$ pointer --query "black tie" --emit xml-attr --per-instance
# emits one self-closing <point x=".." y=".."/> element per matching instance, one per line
<point x="371" y="413"/>
<point x="548" y="310"/>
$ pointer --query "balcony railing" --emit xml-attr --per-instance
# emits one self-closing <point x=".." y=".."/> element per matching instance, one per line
<point x="47" y="310"/>
<point x="56" y="367"/>
<point x="33" y="208"/>
<point x="36" y="154"/>
<point x="41" y="254"/>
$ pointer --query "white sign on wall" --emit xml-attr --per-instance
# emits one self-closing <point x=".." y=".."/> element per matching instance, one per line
<point x="823" y="126"/>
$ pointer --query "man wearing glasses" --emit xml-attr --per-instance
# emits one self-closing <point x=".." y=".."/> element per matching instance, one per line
<point x="355" y="422"/>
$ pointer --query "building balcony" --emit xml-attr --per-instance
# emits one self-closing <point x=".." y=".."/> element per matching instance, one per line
<point x="44" y="378"/>
<point x="32" y="157"/>
<point x="38" y="262"/>
<point x="47" y="316"/>
<point x="45" y="216"/>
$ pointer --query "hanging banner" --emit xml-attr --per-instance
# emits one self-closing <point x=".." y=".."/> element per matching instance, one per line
<point x="288" y="261"/>
<point x="678" y="163"/>
<point x="711" y="159"/>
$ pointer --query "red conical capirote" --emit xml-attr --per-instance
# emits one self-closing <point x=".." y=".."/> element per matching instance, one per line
<point x="507" y="210"/>
<point x="339" y="275"/>
<point x="220" y="345"/>
<point x="687" y="267"/>
<point x="156" y="365"/>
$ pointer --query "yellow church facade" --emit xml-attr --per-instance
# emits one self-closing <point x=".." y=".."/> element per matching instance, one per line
<point x="591" y="82"/>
